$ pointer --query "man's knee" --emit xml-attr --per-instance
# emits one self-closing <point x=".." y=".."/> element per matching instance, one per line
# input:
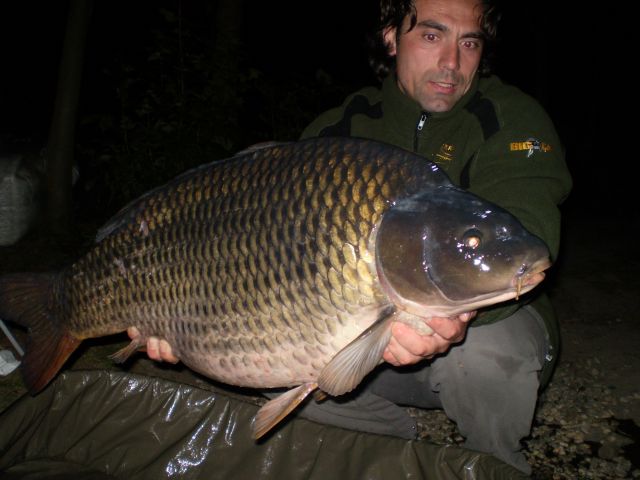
<point x="488" y="385"/>
<point x="502" y="350"/>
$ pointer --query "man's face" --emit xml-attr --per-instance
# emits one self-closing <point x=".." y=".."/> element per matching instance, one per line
<point x="437" y="60"/>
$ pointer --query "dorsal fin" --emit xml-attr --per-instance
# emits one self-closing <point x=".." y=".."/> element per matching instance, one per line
<point x="260" y="146"/>
<point x="129" y="211"/>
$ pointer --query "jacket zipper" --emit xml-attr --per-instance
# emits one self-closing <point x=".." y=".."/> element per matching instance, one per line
<point x="424" y="116"/>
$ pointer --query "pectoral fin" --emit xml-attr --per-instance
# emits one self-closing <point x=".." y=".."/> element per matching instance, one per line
<point x="350" y="365"/>
<point x="275" y="410"/>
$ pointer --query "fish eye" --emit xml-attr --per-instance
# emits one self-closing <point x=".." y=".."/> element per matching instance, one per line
<point x="472" y="238"/>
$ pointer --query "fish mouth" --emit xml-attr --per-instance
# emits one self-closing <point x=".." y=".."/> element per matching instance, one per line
<point x="530" y="276"/>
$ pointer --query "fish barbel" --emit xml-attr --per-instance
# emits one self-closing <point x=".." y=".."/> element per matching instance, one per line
<point x="282" y="266"/>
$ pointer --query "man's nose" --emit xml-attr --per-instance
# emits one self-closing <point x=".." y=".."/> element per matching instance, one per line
<point x="450" y="57"/>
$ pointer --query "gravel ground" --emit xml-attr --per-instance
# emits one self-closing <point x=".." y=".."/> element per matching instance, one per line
<point x="577" y="433"/>
<point x="586" y="424"/>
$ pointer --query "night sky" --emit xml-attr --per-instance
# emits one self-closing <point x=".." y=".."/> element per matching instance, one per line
<point x="548" y="54"/>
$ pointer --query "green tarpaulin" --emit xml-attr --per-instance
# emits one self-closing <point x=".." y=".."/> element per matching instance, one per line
<point x="99" y="424"/>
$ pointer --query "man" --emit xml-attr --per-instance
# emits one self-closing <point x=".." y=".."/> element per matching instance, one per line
<point x="497" y="142"/>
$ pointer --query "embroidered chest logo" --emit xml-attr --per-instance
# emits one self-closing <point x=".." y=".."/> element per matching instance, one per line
<point x="445" y="154"/>
<point x="531" y="146"/>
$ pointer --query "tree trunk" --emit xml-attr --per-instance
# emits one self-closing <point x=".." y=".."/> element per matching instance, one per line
<point x="61" y="142"/>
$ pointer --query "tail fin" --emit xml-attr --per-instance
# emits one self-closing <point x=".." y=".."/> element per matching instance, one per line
<point x="28" y="299"/>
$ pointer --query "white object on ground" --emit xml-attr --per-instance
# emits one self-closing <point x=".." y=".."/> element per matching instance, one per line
<point x="8" y="362"/>
<point x="11" y="338"/>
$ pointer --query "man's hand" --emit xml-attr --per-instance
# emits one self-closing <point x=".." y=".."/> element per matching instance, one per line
<point x="157" y="349"/>
<point x="407" y="346"/>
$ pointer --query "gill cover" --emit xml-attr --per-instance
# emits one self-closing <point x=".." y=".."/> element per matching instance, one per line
<point x="445" y="251"/>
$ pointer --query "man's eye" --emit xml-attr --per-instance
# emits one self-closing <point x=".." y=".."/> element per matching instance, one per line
<point x="470" y="44"/>
<point x="430" y="37"/>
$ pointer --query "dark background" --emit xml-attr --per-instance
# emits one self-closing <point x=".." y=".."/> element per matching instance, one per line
<point x="159" y="95"/>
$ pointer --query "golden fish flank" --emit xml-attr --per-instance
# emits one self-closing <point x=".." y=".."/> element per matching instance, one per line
<point x="276" y="268"/>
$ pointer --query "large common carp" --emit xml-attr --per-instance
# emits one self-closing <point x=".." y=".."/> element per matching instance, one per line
<point x="282" y="266"/>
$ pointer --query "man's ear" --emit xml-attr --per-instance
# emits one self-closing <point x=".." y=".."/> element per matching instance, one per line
<point x="389" y="39"/>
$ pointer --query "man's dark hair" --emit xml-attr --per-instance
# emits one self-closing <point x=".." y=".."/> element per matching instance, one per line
<point x="393" y="13"/>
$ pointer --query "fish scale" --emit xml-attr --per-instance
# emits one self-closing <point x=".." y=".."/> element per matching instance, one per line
<point x="303" y="305"/>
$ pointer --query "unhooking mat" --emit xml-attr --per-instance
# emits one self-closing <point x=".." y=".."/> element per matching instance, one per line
<point x="95" y="425"/>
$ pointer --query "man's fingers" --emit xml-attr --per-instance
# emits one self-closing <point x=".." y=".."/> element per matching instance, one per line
<point x="465" y="317"/>
<point x="448" y="328"/>
<point x="133" y="332"/>
<point x="407" y="339"/>
<point x="166" y="352"/>
<point x="160" y="350"/>
<point x="407" y="347"/>
<point x="153" y="349"/>
<point x="157" y="349"/>
<point x="451" y="329"/>
<point x="397" y="355"/>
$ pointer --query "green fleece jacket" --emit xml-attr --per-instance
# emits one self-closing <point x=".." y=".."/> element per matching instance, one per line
<point x="497" y="142"/>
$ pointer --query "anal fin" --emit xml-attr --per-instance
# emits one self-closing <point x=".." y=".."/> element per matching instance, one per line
<point x="275" y="410"/>
<point x="320" y="396"/>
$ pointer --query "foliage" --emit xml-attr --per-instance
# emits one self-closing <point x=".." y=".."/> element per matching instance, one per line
<point x="183" y="101"/>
